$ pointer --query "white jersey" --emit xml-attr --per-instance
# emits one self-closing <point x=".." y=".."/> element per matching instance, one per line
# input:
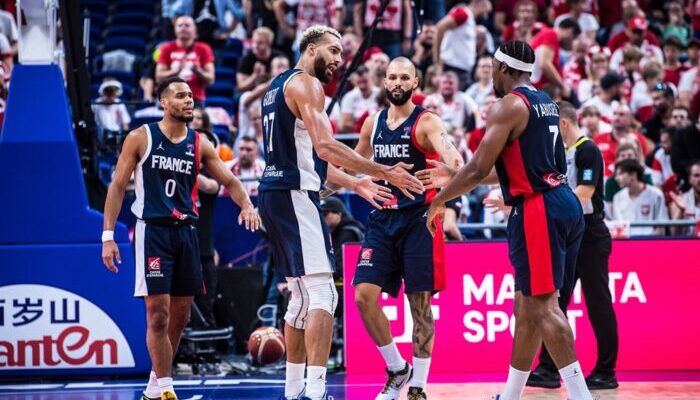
<point x="648" y="205"/>
<point x="692" y="210"/>
<point x="458" y="46"/>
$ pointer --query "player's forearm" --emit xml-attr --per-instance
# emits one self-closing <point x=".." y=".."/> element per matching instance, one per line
<point x="339" y="154"/>
<point x="466" y="179"/>
<point x="113" y="204"/>
<point x="339" y="178"/>
<point x="238" y="193"/>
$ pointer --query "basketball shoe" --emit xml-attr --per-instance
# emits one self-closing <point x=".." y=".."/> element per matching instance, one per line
<point x="394" y="382"/>
<point x="168" y="396"/>
<point x="416" y="393"/>
<point x="300" y="396"/>
<point x="324" y="397"/>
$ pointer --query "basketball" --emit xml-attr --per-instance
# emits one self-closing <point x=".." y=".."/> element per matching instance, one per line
<point x="266" y="345"/>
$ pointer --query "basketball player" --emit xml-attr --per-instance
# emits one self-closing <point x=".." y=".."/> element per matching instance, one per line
<point x="397" y="245"/>
<point x="546" y="221"/>
<point x="166" y="158"/>
<point x="298" y="147"/>
<point x="585" y="175"/>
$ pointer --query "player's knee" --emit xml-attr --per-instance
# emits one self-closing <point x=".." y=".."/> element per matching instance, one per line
<point x="364" y="299"/>
<point x="297" y="311"/>
<point x="323" y="297"/>
<point x="158" y="320"/>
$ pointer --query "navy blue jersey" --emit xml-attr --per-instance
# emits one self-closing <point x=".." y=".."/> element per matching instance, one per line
<point x="166" y="177"/>
<point x="390" y="147"/>
<point x="535" y="161"/>
<point x="290" y="159"/>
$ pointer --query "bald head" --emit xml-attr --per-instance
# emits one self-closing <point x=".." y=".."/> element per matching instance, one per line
<point x="401" y="65"/>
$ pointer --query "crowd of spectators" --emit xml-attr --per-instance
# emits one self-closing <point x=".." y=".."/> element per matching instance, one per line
<point x="631" y="70"/>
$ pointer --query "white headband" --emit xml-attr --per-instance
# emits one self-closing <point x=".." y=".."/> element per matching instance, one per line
<point x="512" y="62"/>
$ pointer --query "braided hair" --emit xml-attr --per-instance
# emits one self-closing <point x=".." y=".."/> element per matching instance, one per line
<point x="520" y="51"/>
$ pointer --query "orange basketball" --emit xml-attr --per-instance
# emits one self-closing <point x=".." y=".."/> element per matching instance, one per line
<point x="266" y="345"/>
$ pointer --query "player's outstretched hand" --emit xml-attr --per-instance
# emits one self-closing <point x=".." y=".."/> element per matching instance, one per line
<point x="250" y="217"/>
<point x="435" y="211"/>
<point x="399" y="176"/>
<point x="372" y="192"/>
<point x="110" y="251"/>
<point x="437" y="177"/>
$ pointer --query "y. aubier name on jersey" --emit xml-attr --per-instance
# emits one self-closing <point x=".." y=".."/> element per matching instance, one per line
<point x="172" y="164"/>
<point x="546" y="110"/>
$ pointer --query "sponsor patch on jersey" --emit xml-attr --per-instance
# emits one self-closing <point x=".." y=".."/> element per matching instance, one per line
<point x="154" y="270"/>
<point x="190" y="149"/>
<point x="645" y="209"/>
<point x="587" y="174"/>
<point x="365" y="258"/>
<point x="153" y="263"/>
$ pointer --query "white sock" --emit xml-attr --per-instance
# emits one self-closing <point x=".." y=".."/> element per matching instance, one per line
<point x="394" y="360"/>
<point x="152" y="390"/>
<point x="574" y="382"/>
<point x="166" y="385"/>
<point x="421" y="366"/>
<point x="515" y="384"/>
<point x="294" y="379"/>
<point x="316" y="382"/>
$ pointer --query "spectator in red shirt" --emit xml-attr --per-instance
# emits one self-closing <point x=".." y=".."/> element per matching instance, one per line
<point x="636" y="23"/>
<point x="525" y="25"/>
<point x="547" y="44"/>
<point x="622" y="127"/>
<point x="673" y="68"/>
<point x="191" y="60"/>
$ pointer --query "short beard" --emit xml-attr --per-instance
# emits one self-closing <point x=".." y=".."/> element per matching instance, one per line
<point x="182" y="118"/>
<point x="320" y="67"/>
<point x="401" y="100"/>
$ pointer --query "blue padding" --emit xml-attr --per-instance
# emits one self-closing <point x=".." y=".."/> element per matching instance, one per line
<point x="43" y="184"/>
<point x="77" y="268"/>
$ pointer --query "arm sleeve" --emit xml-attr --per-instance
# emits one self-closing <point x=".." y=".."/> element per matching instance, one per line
<point x="459" y="15"/>
<point x="589" y="164"/>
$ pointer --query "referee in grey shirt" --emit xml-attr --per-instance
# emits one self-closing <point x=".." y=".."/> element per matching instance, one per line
<point x="585" y="175"/>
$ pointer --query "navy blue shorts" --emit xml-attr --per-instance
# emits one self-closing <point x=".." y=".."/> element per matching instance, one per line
<point x="167" y="260"/>
<point x="544" y="235"/>
<point x="399" y="246"/>
<point x="298" y="236"/>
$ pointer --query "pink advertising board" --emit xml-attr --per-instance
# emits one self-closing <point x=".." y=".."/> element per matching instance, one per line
<point x="655" y="293"/>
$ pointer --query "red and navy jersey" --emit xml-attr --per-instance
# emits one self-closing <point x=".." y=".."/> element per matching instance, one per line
<point x="536" y="160"/>
<point x="166" y="177"/>
<point x="391" y="146"/>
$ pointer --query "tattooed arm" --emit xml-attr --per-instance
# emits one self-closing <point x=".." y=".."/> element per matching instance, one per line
<point x="423" y="324"/>
<point x="433" y="136"/>
<point x="438" y="140"/>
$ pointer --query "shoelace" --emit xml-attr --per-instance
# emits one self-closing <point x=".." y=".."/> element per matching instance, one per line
<point x="415" y="396"/>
